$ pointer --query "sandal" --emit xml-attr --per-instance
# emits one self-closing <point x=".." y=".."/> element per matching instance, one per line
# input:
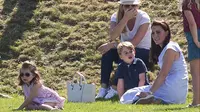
<point x="146" y="100"/>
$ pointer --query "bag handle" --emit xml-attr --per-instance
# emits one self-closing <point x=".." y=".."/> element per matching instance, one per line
<point x="82" y="78"/>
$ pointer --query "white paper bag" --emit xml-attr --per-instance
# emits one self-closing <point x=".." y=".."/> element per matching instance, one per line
<point x="80" y="92"/>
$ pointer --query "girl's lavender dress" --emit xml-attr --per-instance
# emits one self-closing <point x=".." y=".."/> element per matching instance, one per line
<point x="45" y="94"/>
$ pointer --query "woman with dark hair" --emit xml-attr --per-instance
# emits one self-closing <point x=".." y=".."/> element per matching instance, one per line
<point x="171" y="83"/>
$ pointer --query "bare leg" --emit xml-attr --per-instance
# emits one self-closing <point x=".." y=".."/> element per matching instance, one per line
<point x="195" y="72"/>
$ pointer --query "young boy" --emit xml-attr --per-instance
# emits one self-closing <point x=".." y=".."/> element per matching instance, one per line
<point x="132" y="71"/>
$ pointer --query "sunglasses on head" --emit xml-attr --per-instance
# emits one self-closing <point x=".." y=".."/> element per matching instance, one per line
<point x="25" y="74"/>
<point x="128" y="5"/>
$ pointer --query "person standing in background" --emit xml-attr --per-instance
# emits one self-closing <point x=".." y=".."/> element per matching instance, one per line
<point x="191" y="23"/>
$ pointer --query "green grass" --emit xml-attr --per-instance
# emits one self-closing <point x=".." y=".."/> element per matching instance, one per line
<point x="62" y="37"/>
<point x="6" y="105"/>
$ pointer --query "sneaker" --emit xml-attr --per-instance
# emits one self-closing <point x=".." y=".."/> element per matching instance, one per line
<point x="192" y="106"/>
<point x="102" y="93"/>
<point x="111" y="93"/>
<point x="146" y="100"/>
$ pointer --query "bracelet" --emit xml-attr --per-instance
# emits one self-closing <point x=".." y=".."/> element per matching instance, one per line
<point x="115" y="45"/>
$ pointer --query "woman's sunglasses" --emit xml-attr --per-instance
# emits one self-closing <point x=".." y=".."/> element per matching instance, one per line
<point x="126" y="6"/>
<point x="25" y="74"/>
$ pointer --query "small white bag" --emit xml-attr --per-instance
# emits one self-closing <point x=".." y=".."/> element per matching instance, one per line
<point x="80" y="92"/>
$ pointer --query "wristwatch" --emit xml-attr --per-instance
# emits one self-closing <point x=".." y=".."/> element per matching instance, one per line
<point x="115" y="44"/>
<point x="150" y="92"/>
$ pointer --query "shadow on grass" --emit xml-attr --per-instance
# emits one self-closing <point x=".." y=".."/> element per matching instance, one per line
<point x="114" y="99"/>
<point x="18" y="23"/>
<point x="171" y="109"/>
<point x="8" y="6"/>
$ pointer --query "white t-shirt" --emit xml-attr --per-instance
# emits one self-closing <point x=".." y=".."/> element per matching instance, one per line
<point x="141" y="18"/>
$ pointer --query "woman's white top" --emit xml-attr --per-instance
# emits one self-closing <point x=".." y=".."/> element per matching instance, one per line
<point x="175" y="87"/>
<point x="141" y="18"/>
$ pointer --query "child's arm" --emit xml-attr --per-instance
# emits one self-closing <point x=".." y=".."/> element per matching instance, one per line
<point x="141" y="79"/>
<point x="192" y="26"/>
<point x="33" y="93"/>
<point x="120" y="87"/>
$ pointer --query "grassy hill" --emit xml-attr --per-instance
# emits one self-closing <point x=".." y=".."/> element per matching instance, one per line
<point x="62" y="36"/>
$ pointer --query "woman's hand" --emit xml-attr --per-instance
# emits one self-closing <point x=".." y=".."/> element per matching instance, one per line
<point x="105" y="47"/>
<point x="130" y="13"/>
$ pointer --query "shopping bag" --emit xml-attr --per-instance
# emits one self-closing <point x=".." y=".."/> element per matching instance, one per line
<point x="80" y="91"/>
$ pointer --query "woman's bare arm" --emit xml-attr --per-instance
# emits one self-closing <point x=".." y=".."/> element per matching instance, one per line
<point x="140" y="34"/>
<point x="169" y="58"/>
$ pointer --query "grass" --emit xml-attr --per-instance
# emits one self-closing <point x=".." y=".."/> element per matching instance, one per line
<point x="6" y="105"/>
<point x="62" y="37"/>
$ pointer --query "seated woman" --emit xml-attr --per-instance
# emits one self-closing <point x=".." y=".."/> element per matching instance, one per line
<point x="131" y="24"/>
<point x="171" y="84"/>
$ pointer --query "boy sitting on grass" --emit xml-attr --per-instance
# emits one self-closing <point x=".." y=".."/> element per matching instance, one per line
<point x="132" y="71"/>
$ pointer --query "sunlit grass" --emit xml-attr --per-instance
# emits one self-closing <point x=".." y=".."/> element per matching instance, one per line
<point x="6" y="105"/>
<point x="62" y="37"/>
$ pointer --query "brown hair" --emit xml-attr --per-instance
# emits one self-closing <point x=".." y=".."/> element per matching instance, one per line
<point x="32" y="67"/>
<point x="120" y="15"/>
<point x="187" y="3"/>
<point x="156" y="49"/>
<point x="127" y="44"/>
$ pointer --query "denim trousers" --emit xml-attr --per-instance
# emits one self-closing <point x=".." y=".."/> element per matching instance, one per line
<point x="112" y="56"/>
<point x="193" y="50"/>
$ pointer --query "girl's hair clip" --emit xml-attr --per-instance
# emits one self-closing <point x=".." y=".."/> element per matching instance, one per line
<point x="29" y="64"/>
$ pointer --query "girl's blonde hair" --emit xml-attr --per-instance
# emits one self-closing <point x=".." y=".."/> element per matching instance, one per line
<point x="32" y="67"/>
<point x="126" y="44"/>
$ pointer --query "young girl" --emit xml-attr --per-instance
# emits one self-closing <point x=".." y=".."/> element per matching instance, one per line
<point x="191" y="22"/>
<point x="37" y="96"/>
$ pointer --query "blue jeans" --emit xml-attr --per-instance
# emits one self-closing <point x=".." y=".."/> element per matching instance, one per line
<point x="112" y="56"/>
<point x="193" y="50"/>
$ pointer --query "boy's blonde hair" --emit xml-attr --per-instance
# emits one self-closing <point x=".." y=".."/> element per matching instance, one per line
<point x="126" y="44"/>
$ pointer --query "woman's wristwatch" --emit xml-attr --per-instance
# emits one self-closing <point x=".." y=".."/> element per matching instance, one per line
<point x="151" y="93"/>
<point x="115" y="44"/>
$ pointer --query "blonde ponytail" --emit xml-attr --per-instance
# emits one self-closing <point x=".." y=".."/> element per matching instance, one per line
<point x="120" y="15"/>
